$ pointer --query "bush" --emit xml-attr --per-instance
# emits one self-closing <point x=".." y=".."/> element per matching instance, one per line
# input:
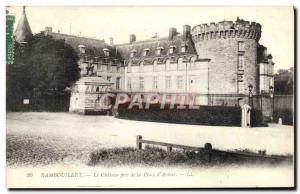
<point x="154" y="156"/>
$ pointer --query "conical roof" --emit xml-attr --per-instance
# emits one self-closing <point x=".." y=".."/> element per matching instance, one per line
<point x="23" y="29"/>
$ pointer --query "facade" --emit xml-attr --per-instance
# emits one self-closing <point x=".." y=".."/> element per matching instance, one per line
<point x="195" y="60"/>
<point x="222" y="58"/>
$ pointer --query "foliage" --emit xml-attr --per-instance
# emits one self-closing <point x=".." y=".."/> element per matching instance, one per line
<point x="286" y="115"/>
<point x="42" y="64"/>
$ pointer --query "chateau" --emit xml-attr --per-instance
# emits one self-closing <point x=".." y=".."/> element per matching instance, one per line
<point x="223" y="58"/>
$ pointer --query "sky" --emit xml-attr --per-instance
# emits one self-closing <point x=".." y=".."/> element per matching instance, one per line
<point x="119" y="22"/>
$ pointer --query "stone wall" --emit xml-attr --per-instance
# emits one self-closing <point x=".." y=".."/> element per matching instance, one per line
<point x="226" y="47"/>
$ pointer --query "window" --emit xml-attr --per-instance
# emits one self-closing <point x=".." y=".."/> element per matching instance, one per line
<point x="141" y="66"/>
<point x="180" y="64"/>
<point x="172" y="49"/>
<point x="240" y="62"/>
<point x="193" y="63"/>
<point x="158" y="50"/>
<point x="109" y="67"/>
<point x="155" y="82"/>
<point x="183" y="48"/>
<point x="141" y="83"/>
<point x="133" y="53"/>
<point x="146" y="52"/>
<point x="98" y="66"/>
<point x="155" y="65"/>
<point x="108" y="78"/>
<point x="106" y="52"/>
<point x="129" y="67"/>
<point x="81" y="49"/>
<point x="168" y="62"/>
<point x="118" y="80"/>
<point x="168" y="82"/>
<point x="241" y="46"/>
<point x="129" y="83"/>
<point x="179" y="82"/>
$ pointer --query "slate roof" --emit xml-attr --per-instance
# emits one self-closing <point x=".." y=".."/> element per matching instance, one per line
<point x="122" y="52"/>
<point x="75" y="41"/>
<point x="93" y="47"/>
<point x="153" y="44"/>
<point x="23" y="29"/>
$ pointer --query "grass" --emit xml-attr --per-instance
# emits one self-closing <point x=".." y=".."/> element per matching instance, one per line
<point x="32" y="150"/>
<point x="154" y="156"/>
<point x="24" y="151"/>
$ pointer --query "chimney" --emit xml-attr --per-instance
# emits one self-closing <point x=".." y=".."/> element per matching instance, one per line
<point x="172" y="33"/>
<point x="132" y="38"/>
<point x="186" y="32"/>
<point x="111" y="41"/>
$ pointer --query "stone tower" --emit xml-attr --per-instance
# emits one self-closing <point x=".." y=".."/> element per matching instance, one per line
<point x="232" y="48"/>
<point x="23" y="29"/>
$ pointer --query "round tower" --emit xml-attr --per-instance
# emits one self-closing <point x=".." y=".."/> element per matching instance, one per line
<point x="232" y="48"/>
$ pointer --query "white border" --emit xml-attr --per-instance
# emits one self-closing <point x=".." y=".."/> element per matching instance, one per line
<point x="116" y="3"/>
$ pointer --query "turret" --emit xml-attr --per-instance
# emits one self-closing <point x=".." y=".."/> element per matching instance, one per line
<point x="227" y="29"/>
<point x="232" y="48"/>
<point x="23" y="29"/>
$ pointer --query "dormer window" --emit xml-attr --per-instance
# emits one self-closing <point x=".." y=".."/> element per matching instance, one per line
<point x="158" y="50"/>
<point x="81" y="49"/>
<point x="133" y="53"/>
<point x="146" y="52"/>
<point x="106" y="52"/>
<point x="183" y="48"/>
<point x="172" y="49"/>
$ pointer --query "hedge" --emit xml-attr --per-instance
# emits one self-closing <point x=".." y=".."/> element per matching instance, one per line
<point x="205" y="115"/>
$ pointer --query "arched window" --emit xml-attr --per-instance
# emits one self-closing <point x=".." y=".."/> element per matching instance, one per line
<point x="129" y="66"/>
<point x="168" y="64"/>
<point x="183" y="48"/>
<point x="158" y="50"/>
<point x="106" y="52"/>
<point x="172" y="49"/>
<point x="180" y="65"/>
<point x="146" y="52"/>
<point x="133" y="53"/>
<point x="81" y="49"/>
<point x="193" y="63"/>
<point x="155" y="65"/>
<point x="142" y="66"/>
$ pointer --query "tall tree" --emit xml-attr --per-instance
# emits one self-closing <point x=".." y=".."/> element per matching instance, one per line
<point x="42" y="63"/>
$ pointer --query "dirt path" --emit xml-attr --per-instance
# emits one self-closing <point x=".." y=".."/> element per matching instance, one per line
<point x="108" y="131"/>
